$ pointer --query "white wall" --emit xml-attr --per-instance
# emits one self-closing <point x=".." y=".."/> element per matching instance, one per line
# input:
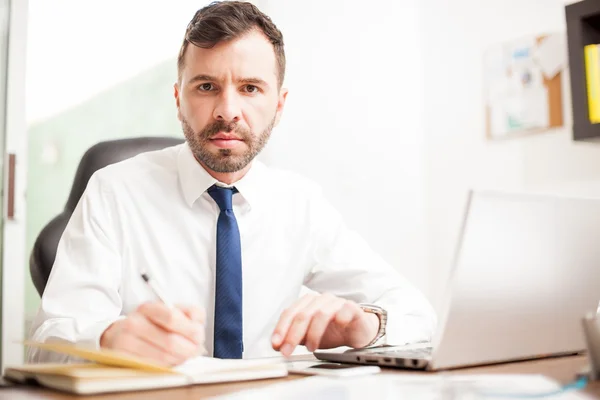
<point x="353" y="117"/>
<point x="457" y="154"/>
<point x="77" y="49"/>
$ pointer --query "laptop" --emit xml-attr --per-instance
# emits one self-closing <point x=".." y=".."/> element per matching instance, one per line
<point x="526" y="271"/>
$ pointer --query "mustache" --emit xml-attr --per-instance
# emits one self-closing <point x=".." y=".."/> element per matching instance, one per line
<point x="226" y="127"/>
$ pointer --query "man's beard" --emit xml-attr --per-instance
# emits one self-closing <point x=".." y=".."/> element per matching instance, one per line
<point x="225" y="160"/>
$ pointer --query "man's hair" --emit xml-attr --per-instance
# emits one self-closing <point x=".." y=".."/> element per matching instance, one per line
<point x="227" y="20"/>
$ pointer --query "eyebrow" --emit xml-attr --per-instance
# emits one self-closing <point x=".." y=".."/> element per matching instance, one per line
<point x="253" y="81"/>
<point x="198" y="78"/>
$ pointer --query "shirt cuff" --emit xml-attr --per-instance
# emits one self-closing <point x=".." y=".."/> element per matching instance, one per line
<point x="90" y="337"/>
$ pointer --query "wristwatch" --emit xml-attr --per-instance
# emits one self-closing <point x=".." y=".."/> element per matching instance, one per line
<point x="381" y="314"/>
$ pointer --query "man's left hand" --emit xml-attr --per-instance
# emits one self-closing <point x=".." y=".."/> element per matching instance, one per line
<point x="324" y="321"/>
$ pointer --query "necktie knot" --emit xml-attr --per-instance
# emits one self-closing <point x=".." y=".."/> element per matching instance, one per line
<point x="223" y="196"/>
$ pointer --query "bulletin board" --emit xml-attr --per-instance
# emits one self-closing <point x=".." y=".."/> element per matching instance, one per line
<point x="523" y="86"/>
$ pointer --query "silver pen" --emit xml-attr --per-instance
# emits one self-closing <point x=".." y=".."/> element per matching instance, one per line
<point x="154" y="287"/>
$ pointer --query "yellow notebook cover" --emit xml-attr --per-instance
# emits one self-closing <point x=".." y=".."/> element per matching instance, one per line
<point x="104" y="356"/>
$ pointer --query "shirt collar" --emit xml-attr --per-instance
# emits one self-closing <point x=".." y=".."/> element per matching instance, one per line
<point x="195" y="180"/>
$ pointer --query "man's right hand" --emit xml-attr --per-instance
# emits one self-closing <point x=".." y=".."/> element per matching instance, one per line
<point x="166" y="335"/>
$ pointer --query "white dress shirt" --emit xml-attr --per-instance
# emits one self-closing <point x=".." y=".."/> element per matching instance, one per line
<point x="152" y="213"/>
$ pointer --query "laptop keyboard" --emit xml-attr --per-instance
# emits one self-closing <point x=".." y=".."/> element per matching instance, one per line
<point x="422" y="352"/>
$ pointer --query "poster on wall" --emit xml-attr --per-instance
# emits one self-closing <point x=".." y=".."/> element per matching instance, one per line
<point x="523" y="85"/>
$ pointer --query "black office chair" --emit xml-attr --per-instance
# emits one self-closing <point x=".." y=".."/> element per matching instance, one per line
<point x="96" y="157"/>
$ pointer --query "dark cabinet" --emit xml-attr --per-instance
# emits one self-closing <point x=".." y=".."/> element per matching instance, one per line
<point x="583" y="28"/>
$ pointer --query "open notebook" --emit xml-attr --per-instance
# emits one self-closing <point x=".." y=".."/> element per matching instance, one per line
<point x="111" y="371"/>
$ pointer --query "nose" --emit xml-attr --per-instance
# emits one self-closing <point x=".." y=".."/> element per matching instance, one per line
<point x="227" y="107"/>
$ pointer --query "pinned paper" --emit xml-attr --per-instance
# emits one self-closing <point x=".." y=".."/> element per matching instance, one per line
<point x="551" y="54"/>
<point x="523" y="89"/>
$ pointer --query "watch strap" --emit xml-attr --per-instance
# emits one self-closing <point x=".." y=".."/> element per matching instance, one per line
<point x="382" y="315"/>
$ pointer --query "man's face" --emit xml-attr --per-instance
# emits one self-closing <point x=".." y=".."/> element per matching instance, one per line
<point x="228" y="100"/>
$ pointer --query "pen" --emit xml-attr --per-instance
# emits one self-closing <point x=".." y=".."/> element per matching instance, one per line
<point x="156" y="290"/>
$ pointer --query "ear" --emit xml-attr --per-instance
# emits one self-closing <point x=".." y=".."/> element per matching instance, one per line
<point x="283" y="92"/>
<point x="176" y="93"/>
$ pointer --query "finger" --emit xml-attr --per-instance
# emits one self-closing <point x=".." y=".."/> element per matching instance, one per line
<point x="303" y="318"/>
<point x="139" y="347"/>
<point x="201" y="351"/>
<point x="198" y="317"/>
<point x="320" y="321"/>
<point x="194" y="313"/>
<point x="170" y="319"/>
<point x="348" y="313"/>
<point x="172" y="343"/>
<point x="286" y="318"/>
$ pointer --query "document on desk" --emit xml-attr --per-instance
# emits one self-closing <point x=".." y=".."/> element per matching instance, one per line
<point x="413" y="387"/>
<point x="111" y="371"/>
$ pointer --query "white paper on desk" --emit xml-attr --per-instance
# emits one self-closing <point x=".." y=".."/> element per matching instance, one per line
<point x="206" y="365"/>
<point x="407" y="386"/>
<point x="551" y="54"/>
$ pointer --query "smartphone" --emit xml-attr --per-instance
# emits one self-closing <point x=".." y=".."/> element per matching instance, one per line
<point x="331" y="369"/>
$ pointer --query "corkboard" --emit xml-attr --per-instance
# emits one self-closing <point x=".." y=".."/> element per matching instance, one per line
<point x="555" y="107"/>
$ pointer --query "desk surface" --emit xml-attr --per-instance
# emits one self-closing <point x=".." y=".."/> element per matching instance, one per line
<point x="562" y="369"/>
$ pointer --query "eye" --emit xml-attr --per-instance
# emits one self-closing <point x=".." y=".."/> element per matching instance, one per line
<point x="251" y="89"/>
<point x="205" y="87"/>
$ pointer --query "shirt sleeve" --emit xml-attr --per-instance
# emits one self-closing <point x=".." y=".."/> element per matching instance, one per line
<point x="346" y="266"/>
<point x="81" y="298"/>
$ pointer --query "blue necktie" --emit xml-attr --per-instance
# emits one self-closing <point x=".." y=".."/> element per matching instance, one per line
<point x="228" y="342"/>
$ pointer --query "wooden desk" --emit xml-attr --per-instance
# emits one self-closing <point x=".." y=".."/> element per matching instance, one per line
<point x="562" y="369"/>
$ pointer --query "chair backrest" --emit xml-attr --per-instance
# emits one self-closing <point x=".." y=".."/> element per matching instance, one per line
<point x="97" y="157"/>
